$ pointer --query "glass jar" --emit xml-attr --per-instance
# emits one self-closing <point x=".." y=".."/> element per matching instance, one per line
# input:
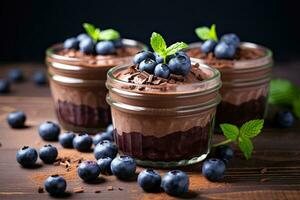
<point x="78" y="87"/>
<point x="164" y="126"/>
<point x="245" y="86"/>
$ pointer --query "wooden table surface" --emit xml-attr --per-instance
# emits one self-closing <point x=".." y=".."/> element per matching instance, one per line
<point x="272" y="173"/>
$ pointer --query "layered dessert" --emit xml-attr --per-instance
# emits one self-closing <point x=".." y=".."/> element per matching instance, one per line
<point x="163" y="106"/>
<point x="245" y="70"/>
<point x="77" y="73"/>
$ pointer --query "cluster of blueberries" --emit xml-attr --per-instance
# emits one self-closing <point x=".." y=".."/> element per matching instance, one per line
<point x="16" y="75"/>
<point x="178" y="63"/>
<point x="85" y="44"/>
<point x="224" y="49"/>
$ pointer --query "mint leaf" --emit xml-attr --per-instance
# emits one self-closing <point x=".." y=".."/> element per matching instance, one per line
<point x="251" y="128"/>
<point x="296" y="107"/>
<point x="246" y="146"/>
<point x="230" y="131"/>
<point x="109" y="34"/>
<point x="158" y="43"/>
<point x="93" y="32"/>
<point x="176" y="47"/>
<point x="213" y="33"/>
<point x="205" y="33"/>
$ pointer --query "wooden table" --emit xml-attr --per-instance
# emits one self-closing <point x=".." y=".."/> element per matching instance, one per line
<point x="272" y="173"/>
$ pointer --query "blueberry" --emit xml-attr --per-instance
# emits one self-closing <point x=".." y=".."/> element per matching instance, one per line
<point x="147" y="65"/>
<point x="162" y="70"/>
<point x="71" y="43"/>
<point x="139" y="57"/>
<point x="55" y="185"/>
<point x="39" y="78"/>
<point x="87" y="46"/>
<point x="213" y="169"/>
<point x="27" y="156"/>
<point x="83" y="142"/>
<point x="49" y="131"/>
<point x="16" y="119"/>
<point x="104" y="164"/>
<point x="180" y="64"/>
<point x="66" y="139"/>
<point x="104" y="149"/>
<point x="105" y="48"/>
<point x="231" y="39"/>
<point x="82" y="36"/>
<point x="208" y="46"/>
<point x="158" y="58"/>
<point x="48" y="153"/>
<point x="175" y="183"/>
<point x="123" y="167"/>
<point x="224" y="51"/>
<point x="15" y="75"/>
<point x="110" y="129"/>
<point x="4" y="86"/>
<point x="224" y="152"/>
<point x="118" y="43"/>
<point x="149" y="180"/>
<point x="88" y="170"/>
<point x="284" y="119"/>
<point x="102" y="136"/>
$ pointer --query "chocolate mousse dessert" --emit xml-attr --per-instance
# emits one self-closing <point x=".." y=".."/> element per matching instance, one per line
<point x="245" y="70"/>
<point x="163" y="106"/>
<point x="77" y="73"/>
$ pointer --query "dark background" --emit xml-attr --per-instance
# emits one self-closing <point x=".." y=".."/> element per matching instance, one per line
<point x="29" y="27"/>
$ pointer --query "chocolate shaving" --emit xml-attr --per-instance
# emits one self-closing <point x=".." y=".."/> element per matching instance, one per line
<point x="263" y="170"/>
<point x="40" y="189"/>
<point x="97" y="191"/>
<point x="264" y="180"/>
<point x="78" y="190"/>
<point x="121" y="189"/>
<point x="110" y="188"/>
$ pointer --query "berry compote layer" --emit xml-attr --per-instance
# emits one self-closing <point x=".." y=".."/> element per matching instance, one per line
<point x="245" y="81"/>
<point x="163" y="122"/>
<point x="77" y="81"/>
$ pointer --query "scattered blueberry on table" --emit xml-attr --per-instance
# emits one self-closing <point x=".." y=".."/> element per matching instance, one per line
<point x="88" y="170"/>
<point x="175" y="183"/>
<point x="149" y="180"/>
<point x="104" y="164"/>
<point x="66" y="139"/>
<point x="213" y="169"/>
<point x="16" y="119"/>
<point x="123" y="167"/>
<point x="40" y="78"/>
<point x="83" y="142"/>
<point x="48" y="153"/>
<point x="27" y="156"/>
<point x="104" y="149"/>
<point x="4" y="86"/>
<point x="49" y="131"/>
<point x="55" y="185"/>
<point x="102" y="136"/>
<point x="224" y="152"/>
<point x="284" y="119"/>
<point x="15" y="75"/>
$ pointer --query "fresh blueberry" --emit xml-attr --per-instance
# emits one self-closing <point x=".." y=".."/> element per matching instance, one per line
<point x="15" y="75"/>
<point x="213" y="169"/>
<point x="104" y="149"/>
<point x="83" y="142"/>
<point x="225" y="153"/>
<point x="158" y="58"/>
<point x="149" y="180"/>
<point x="104" y="164"/>
<point x="105" y="48"/>
<point x="102" y="136"/>
<point x="118" y="43"/>
<point x="208" y="46"/>
<point x="147" y="65"/>
<point x="71" y="43"/>
<point x="162" y="70"/>
<point x="180" y="64"/>
<point x="4" y="86"/>
<point x="49" y="131"/>
<point x="66" y="139"/>
<point x="39" y="78"/>
<point x="48" y="153"/>
<point x="139" y="57"/>
<point x="27" y="156"/>
<point x="55" y="185"/>
<point x="110" y="129"/>
<point x="87" y="46"/>
<point x="16" y="119"/>
<point x="224" y="51"/>
<point x="175" y="183"/>
<point x="123" y="167"/>
<point x="82" y="36"/>
<point x="88" y="170"/>
<point x="231" y="39"/>
<point x="284" y="119"/>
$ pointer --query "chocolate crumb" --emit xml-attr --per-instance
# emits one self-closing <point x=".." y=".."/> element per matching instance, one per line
<point x="110" y="188"/>
<point x="97" y="191"/>
<point x="56" y="163"/>
<point x="78" y="190"/>
<point x="263" y="170"/>
<point x="121" y="189"/>
<point x="264" y="180"/>
<point x="40" y="189"/>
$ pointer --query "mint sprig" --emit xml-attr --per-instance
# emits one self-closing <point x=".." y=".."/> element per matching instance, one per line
<point x="96" y="34"/>
<point x="159" y="45"/>
<point x="242" y="136"/>
<point x="206" y="33"/>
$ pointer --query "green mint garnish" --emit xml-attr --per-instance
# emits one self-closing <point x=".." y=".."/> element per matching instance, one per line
<point x="242" y="136"/>
<point x="159" y="45"/>
<point x="96" y="34"/>
<point x="206" y="33"/>
<point x="285" y="93"/>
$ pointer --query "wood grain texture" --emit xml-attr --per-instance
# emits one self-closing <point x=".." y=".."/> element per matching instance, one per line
<point x="272" y="173"/>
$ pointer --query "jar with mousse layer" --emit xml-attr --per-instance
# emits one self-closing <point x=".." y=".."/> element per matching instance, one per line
<point x="77" y="83"/>
<point x="245" y="82"/>
<point x="164" y="125"/>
